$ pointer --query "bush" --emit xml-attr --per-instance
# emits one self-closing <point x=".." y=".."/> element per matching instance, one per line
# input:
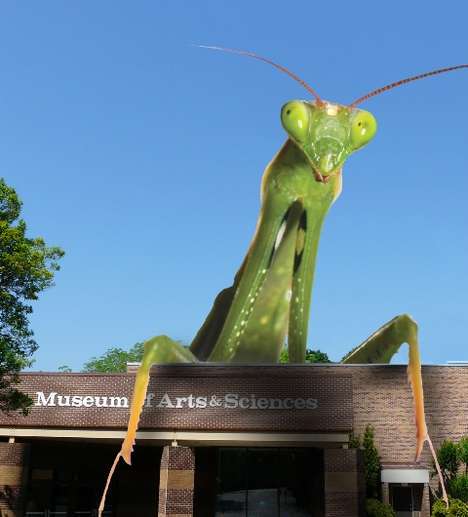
<point x="463" y="452"/>
<point x="449" y="459"/>
<point x="375" y="508"/>
<point x="458" y="487"/>
<point x="439" y="509"/>
<point x="456" y="508"/>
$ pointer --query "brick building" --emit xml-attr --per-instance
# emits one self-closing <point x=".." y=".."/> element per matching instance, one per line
<point x="225" y="441"/>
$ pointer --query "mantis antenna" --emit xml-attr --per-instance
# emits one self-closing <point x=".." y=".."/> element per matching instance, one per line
<point x="387" y="87"/>
<point x="272" y="63"/>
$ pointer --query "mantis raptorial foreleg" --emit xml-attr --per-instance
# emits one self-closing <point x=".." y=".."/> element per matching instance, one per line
<point x="380" y="347"/>
<point x="157" y="350"/>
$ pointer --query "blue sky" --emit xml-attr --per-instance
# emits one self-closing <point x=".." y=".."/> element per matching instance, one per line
<point x="141" y="156"/>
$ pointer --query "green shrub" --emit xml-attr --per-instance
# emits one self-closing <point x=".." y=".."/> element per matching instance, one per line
<point x="375" y="508"/>
<point x="457" y="508"/>
<point x="463" y="452"/>
<point x="439" y="509"/>
<point x="449" y="458"/>
<point x="371" y="464"/>
<point x="458" y="487"/>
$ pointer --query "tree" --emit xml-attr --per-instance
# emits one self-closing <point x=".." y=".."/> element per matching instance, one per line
<point x="27" y="267"/>
<point x="115" y="359"/>
<point x="371" y="463"/>
<point x="371" y="460"/>
<point x="312" y="356"/>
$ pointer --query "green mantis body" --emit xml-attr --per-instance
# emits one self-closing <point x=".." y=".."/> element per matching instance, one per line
<point x="269" y="301"/>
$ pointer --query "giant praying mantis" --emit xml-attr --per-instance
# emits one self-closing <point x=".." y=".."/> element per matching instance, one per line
<point x="269" y="300"/>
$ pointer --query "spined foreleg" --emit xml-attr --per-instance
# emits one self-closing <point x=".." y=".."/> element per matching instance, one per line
<point x="158" y="350"/>
<point x="380" y="347"/>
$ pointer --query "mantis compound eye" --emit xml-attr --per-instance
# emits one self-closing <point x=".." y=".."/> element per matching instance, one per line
<point x="363" y="128"/>
<point x="295" y="119"/>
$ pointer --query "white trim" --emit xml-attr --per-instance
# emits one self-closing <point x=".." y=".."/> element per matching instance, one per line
<point x="405" y="476"/>
<point x="201" y="438"/>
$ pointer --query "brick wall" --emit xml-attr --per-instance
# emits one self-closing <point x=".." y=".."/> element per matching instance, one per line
<point x="176" y="482"/>
<point x="344" y="488"/>
<point x="13" y="477"/>
<point x="350" y="397"/>
<point x="382" y="397"/>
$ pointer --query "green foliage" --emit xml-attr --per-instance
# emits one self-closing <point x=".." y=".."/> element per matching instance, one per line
<point x="463" y="451"/>
<point x="27" y="267"/>
<point x="312" y="356"/>
<point x="64" y="368"/>
<point x="449" y="459"/>
<point x="371" y="458"/>
<point x="354" y="441"/>
<point x="458" y="487"/>
<point x="453" y="457"/>
<point x="439" y="509"/>
<point x="115" y="359"/>
<point x="456" y="508"/>
<point x="375" y="508"/>
<point x="371" y="463"/>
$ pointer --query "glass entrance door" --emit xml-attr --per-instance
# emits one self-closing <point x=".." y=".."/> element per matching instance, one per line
<point x="406" y="499"/>
<point x="269" y="482"/>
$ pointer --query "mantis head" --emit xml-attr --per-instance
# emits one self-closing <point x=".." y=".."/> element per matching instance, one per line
<point x="327" y="133"/>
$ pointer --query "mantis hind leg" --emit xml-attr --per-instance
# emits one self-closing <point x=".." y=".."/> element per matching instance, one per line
<point x="380" y="347"/>
<point x="158" y="350"/>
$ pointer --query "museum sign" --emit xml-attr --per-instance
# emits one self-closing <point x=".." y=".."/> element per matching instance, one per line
<point x="195" y="397"/>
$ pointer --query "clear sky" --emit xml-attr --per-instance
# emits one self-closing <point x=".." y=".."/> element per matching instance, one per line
<point x="141" y="156"/>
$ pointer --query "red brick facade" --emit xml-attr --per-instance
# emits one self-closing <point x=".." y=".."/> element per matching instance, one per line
<point x="176" y="482"/>
<point x="343" y="482"/>
<point x="14" y="458"/>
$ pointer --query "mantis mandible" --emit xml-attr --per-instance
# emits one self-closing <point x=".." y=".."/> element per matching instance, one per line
<point x="269" y="300"/>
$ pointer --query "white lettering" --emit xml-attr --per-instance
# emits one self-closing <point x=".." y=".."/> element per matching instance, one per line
<point x="148" y="399"/>
<point x="42" y="401"/>
<point x="118" y="401"/>
<point x="276" y="404"/>
<point x="88" y="401"/>
<point x="201" y="402"/>
<point x="244" y="403"/>
<point x="166" y="402"/>
<point x="77" y="401"/>
<point x="231" y="401"/>
<point x="100" y="401"/>
<point x="63" y="400"/>
<point x="299" y="403"/>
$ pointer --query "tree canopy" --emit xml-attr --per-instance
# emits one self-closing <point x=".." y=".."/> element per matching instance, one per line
<point x="27" y="267"/>
<point x="312" y="356"/>
<point x="115" y="359"/>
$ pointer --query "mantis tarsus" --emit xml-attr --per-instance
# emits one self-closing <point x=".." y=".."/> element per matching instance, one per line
<point x="269" y="300"/>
